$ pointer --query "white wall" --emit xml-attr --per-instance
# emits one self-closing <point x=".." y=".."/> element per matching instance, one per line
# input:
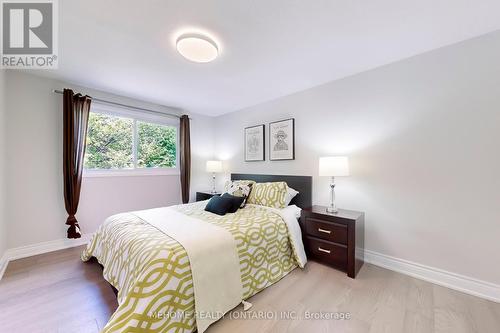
<point x="423" y="137"/>
<point x="3" y="137"/>
<point x="35" y="186"/>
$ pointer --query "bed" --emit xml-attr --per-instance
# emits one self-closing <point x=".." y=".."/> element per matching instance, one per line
<point x="152" y="271"/>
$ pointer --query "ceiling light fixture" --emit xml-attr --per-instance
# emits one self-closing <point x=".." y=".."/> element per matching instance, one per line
<point x="197" y="48"/>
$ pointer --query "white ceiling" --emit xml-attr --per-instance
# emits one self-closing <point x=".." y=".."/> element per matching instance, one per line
<point x="269" y="48"/>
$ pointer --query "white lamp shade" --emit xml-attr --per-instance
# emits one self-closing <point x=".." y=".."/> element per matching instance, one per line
<point x="335" y="166"/>
<point x="214" y="166"/>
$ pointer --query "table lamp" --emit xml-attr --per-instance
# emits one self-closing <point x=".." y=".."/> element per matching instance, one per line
<point x="214" y="167"/>
<point x="334" y="166"/>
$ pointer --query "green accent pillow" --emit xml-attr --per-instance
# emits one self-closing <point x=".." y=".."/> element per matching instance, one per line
<point x="269" y="194"/>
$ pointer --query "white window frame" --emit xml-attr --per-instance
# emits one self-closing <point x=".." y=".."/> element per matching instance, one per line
<point x="106" y="109"/>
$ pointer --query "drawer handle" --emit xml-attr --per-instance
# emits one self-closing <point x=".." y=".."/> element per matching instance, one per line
<point x="324" y="231"/>
<point x="323" y="250"/>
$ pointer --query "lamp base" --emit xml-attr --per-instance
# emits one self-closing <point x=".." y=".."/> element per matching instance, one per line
<point x="331" y="209"/>
<point x="213" y="184"/>
<point x="333" y="206"/>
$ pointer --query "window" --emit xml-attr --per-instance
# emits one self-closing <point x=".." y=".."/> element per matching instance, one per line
<point x="120" y="143"/>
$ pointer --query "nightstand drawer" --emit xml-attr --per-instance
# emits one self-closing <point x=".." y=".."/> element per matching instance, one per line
<point x="329" y="231"/>
<point x="328" y="252"/>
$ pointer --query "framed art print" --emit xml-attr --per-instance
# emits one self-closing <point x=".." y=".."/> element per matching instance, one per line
<point x="282" y="140"/>
<point x="255" y="143"/>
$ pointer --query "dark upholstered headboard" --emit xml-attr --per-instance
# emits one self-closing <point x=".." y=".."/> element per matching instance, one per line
<point x="303" y="184"/>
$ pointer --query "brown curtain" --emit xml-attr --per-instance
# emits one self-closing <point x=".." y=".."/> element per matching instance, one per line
<point x="185" y="158"/>
<point x="75" y="118"/>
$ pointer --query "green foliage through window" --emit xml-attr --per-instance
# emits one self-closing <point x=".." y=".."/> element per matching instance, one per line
<point x="157" y="146"/>
<point x="111" y="141"/>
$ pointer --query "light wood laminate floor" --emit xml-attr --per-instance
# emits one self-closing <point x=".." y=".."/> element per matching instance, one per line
<point x="56" y="292"/>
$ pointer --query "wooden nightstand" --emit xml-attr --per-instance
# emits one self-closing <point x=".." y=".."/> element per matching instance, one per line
<point x="200" y="196"/>
<point x="336" y="239"/>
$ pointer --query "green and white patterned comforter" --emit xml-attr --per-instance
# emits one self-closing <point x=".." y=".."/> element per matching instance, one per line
<point x="152" y="273"/>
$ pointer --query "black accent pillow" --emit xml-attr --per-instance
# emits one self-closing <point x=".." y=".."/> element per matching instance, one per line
<point x="219" y="205"/>
<point x="235" y="202"/>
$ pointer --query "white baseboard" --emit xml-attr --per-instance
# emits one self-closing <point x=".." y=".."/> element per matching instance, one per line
<point x="465" y="284"/>
<point x="39" y="248"/>
<point x="3" y="264"/>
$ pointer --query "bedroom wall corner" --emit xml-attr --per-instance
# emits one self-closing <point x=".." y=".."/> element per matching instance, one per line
<point x="202" y="149"/>
<point x="34" y="166"/>
<point x="3" y="191"/>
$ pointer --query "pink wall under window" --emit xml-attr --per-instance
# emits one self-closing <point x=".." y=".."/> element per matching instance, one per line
<point x="105" y="196"/>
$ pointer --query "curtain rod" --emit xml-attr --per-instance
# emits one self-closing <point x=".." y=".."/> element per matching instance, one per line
<point x="127" y="106"/>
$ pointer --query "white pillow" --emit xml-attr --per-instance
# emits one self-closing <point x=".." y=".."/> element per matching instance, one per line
<point x="290" y="194"/>
<point x="296" y="210"/>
